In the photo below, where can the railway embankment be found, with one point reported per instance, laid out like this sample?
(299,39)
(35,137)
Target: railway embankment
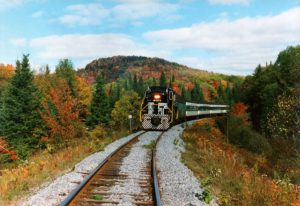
(55,191)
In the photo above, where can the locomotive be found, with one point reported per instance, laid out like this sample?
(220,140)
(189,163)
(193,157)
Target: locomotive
(161,108)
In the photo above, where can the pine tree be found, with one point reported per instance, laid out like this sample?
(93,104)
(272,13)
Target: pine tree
(173,78)
(65,70)
(141,86)
(135,84)
(197,94)
(20,104)
(99,109)
(163,80)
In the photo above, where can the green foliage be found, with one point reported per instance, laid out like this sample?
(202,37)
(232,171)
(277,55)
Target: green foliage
(99,109)
(65,70)
(267,83)
(129,103)
(284,120)
(19,113)
(197,93)
(243,136)
(163,80)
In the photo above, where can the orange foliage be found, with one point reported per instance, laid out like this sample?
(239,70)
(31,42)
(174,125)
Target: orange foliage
(6,71)
(4,150)
(224,83)
(176,89)
(239,109)
(214,84)
(60,113)
(189,86)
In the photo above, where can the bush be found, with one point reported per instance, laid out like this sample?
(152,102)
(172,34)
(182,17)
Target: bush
(243,136)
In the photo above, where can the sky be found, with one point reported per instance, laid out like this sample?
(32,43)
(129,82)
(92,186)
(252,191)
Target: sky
(225,36)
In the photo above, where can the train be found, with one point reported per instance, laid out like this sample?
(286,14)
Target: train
(162,108)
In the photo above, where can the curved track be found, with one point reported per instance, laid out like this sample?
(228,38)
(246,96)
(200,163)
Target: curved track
(95,188)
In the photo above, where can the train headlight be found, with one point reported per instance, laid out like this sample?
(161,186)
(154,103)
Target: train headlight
(157,97)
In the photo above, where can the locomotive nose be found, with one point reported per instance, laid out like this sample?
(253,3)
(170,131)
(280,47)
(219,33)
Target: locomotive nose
(155,121)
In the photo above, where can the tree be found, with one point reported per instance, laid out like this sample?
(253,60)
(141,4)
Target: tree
(65,70)
(284,120)
(129,103)
(163,80)
(141,87)
(19,113)
(60,113)
(135,84)
(197,94)
(99,109)
(84,96)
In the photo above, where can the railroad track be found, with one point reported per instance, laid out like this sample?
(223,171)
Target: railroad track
(96,188)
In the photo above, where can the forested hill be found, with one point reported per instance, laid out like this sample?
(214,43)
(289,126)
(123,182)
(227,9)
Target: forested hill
(114,67)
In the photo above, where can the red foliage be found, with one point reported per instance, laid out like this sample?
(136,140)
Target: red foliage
(62,122)
(239,109)
(214,84)
(189,86)
(176,89)
(4,150)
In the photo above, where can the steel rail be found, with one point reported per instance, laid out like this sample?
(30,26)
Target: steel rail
(156,194)
(84,182)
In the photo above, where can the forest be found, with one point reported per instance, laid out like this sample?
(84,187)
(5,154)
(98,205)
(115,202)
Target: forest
(43,114)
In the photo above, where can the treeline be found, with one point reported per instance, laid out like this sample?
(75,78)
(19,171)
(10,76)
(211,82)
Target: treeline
(273,96)
(268,120)
(48,110)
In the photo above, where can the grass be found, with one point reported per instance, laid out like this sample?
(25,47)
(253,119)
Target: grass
(225,173)
(151,145)
(97,197)
(16,180)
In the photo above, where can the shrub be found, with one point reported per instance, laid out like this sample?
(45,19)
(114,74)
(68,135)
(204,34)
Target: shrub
(243,136)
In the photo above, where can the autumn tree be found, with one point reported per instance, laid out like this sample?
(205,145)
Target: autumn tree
(99,109)
(84,96)
(283,122)
(60,113)
(129,103)
(19,117)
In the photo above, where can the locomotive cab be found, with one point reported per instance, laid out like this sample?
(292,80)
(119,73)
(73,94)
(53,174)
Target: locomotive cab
(156,112)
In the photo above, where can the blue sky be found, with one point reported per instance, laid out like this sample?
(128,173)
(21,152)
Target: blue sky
(227,36)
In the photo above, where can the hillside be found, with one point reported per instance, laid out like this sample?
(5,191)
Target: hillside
(119,66)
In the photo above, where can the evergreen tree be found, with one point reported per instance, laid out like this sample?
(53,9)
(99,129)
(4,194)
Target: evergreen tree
(65,70)
(135,84)
(141,87)
(20,104)
(154,81)
(99,109)
(163,80)
(197,94)
(173,78)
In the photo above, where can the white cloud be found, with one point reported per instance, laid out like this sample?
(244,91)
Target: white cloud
(11,3)
(81,47)
(84,14)
(37,14)
(229,1)
(19,42)
(241,43)
(132,11)
(143,9)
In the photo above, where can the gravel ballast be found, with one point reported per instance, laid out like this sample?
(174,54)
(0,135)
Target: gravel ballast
(178,185)
(55,192)
(133,165)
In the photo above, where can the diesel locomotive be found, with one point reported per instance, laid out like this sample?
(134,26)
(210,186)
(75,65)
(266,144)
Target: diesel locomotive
(161,108)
